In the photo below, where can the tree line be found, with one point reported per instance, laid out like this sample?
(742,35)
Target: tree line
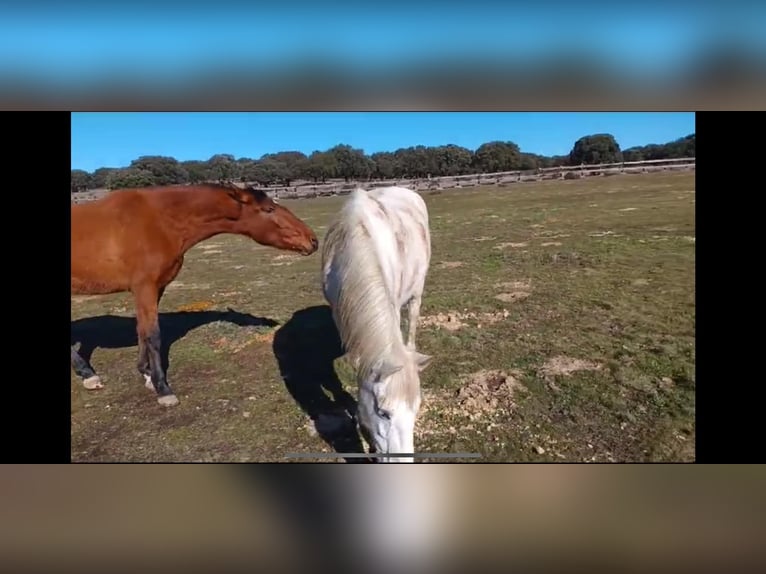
(349,163)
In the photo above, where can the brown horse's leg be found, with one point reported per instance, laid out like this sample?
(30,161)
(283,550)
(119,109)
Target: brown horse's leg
(143,364)
(146,297)
(90,380)
(143,356)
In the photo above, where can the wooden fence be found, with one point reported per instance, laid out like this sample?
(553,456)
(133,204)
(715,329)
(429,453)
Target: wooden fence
(502,179)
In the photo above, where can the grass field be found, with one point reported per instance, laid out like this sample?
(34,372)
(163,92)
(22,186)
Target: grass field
(560,315)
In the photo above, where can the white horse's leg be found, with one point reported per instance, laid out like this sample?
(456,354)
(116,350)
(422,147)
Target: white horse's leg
(413,312)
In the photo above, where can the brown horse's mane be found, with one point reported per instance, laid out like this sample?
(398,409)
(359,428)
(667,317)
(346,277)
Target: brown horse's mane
(258,194)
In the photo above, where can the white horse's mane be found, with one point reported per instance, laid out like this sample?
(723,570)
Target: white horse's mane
(365,311)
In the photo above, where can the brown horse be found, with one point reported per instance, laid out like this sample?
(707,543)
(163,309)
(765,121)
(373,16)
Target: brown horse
(135,240)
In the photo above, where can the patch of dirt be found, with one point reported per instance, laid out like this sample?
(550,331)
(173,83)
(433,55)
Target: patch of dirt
(511,244)
(229,346)
(450,264)
(513,296)
(562,365)
(212,251)
(513,285)
(551,234)
(83,298)
(487,395)
(666,383)
(565,258)
(449,321)
(640,282)
(263,337)
(196,306)
(549,243)
(604,234)
(484,238)
(628,209)
(229,294)
(486,391)
(178,285)
(222,343)
(283,259)
(689,238)
(453,321)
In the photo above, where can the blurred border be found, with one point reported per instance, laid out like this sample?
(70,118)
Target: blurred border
(589,56)
(426,98)
(537,517)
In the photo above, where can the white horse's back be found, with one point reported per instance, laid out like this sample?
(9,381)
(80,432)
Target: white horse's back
(407,247)
(396,219)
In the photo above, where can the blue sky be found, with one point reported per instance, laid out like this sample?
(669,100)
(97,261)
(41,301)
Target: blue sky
(107,139)
(70,44)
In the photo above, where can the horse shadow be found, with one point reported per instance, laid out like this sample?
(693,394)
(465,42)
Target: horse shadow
(117,332)
(305,348)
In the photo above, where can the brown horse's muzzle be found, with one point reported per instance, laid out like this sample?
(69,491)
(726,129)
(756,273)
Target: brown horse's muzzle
(314,246)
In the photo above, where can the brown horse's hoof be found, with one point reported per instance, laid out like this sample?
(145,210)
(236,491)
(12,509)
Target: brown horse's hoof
(93,383)
(168,401)
(148,382)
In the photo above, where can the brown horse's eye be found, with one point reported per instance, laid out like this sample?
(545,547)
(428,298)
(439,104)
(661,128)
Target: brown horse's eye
(268,208)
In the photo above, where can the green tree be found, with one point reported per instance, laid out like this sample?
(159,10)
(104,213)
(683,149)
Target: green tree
(247,169)
(268,171)
(223,167)
(100,176)
(351,163)
(682,147)
(291,164)
(453,160)
(166,170)
(497,156)
(415,162)
(436,161)
(544,161)
(633,154)
(197,171)
(594,149)
(384,165)
(320,166)
(80,180)
(529,161)
(130,177)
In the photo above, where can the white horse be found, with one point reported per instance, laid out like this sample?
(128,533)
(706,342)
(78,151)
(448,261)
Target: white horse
(375,259)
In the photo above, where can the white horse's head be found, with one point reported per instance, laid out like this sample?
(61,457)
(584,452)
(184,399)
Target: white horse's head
(389,401)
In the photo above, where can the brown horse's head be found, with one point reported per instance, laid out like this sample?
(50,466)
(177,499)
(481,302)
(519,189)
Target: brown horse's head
(268,223)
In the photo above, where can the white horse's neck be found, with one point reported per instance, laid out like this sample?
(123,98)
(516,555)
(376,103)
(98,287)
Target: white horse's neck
(368,318)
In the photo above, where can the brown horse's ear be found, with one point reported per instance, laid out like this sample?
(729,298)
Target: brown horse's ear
(240,195)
